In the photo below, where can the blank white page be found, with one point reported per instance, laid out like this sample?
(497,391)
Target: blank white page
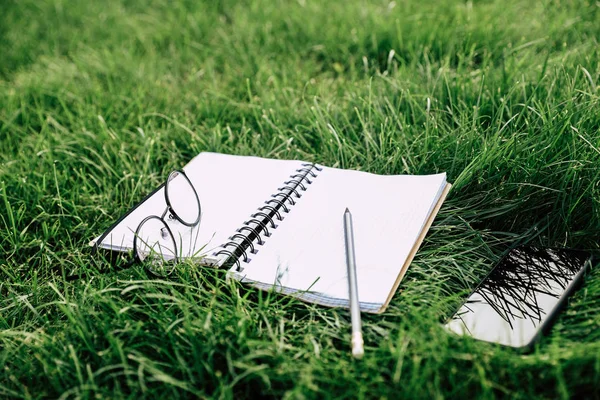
(230,188)
(307,251)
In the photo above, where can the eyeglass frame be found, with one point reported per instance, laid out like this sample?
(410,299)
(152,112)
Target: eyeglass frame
(170,211)
(136,258)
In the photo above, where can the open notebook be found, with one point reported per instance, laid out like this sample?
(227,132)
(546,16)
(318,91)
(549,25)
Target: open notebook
(296,244)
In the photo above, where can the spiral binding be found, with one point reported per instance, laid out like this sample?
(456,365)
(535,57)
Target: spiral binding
(267,216)
(278,203)
(262,223)
(274,210)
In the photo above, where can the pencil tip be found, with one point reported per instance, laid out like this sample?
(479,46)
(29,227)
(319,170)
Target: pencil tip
(347,211)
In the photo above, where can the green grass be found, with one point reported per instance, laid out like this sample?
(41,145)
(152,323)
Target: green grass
(100,100)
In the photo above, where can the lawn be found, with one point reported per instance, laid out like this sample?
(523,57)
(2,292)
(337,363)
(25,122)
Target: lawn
(100,100)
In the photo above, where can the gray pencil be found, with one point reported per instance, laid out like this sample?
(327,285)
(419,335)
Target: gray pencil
(357,339)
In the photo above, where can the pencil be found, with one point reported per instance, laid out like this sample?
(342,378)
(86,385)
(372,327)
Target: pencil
(357,339)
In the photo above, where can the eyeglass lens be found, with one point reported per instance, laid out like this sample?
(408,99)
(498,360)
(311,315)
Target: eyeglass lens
(155,247)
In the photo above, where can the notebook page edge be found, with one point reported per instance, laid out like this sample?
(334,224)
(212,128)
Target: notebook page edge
(416,247)
(308,296)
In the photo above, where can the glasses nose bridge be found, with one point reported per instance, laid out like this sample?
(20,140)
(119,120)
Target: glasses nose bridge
(163,215)
(166,216)
(164,233)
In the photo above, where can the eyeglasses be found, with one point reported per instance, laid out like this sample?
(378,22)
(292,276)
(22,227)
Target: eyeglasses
(154,242)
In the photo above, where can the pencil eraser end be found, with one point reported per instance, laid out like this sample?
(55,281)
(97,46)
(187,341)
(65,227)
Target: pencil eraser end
(358,349)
